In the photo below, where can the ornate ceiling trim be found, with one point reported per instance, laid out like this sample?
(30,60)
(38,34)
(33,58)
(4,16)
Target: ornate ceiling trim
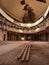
(25,24)
(9,26)
(39,25)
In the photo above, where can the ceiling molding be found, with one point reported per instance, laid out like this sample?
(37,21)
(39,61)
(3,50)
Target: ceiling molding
(24,24)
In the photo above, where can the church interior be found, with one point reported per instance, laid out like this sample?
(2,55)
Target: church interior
(24,32)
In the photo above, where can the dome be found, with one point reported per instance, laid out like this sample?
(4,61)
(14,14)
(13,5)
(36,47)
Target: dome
(15,9)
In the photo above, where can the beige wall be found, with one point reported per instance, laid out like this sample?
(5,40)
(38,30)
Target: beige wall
(12,36)
(2,34)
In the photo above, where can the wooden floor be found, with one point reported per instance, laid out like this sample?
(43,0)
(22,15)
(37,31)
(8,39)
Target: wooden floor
(24,53)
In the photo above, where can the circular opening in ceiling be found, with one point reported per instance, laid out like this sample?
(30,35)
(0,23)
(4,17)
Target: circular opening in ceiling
(22,2)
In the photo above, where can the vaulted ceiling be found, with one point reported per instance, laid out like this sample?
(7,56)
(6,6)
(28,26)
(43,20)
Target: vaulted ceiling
(15,9)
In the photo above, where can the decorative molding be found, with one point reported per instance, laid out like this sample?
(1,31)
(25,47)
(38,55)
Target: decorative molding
(24,24)
(10,26)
